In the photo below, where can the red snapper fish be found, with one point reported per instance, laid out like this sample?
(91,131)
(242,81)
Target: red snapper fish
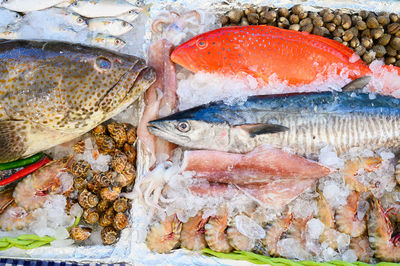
(269,53)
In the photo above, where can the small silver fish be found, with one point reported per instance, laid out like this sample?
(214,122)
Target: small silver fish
(110,26)
(107,41)
(53,92)
(9,17)
(72,19)
(130,15)
(101,8)
(29,5)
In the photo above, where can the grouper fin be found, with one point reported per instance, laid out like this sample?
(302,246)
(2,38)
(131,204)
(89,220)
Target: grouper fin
(260,129)
(357,84)
(12,140)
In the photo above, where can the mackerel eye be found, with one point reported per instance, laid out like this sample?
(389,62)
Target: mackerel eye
(183,126)
(103,63)
(201,43)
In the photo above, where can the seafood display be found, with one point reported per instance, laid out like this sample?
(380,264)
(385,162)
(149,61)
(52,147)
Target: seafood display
(303,168)
(259,133)
(61,111)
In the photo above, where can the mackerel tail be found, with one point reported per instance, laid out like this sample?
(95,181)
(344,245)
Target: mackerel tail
(302,122)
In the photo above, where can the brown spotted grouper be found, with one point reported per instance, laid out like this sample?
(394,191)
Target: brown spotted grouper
(53,92)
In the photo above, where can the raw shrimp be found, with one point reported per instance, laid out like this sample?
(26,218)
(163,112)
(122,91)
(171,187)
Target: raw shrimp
(216,237)
(361,246)
(383,240)
(31,193)
(15,218)
(163,237)
(274,233)
(326,216)
(351,168)
(239,241)
(297,229)
(347,219)
(6,198)
(192,235)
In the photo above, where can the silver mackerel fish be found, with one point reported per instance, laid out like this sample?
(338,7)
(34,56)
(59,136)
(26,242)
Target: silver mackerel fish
(303,122)
(53,92)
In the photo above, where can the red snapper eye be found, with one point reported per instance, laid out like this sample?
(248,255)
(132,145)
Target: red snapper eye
(201,43)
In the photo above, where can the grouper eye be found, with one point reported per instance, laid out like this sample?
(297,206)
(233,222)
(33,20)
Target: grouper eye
(103,63)
(183,126)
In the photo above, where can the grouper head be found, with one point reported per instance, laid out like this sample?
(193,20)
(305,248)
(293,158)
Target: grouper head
(54,92)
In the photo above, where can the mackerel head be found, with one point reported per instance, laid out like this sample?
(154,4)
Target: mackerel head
(52,92)
(303,122)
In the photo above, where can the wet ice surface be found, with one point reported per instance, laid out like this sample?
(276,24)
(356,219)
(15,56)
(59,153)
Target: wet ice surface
(176,196)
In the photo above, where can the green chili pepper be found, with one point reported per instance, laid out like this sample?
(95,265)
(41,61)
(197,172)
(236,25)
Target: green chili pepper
(21,163)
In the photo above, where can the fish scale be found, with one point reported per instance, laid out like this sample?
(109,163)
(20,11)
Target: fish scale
(52,92)
(303,122)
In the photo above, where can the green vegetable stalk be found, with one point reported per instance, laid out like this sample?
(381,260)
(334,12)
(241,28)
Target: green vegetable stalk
(260,259)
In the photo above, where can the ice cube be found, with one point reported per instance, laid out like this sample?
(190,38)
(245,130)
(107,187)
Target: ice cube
(343,241)
(61,233)
(362,208)
(329,254)
(76,210)
(349,255)
(59,243)
(335,193)
(314,228)
(248,227)
(329,157)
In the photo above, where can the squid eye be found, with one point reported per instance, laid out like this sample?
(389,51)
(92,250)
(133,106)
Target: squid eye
(183,126)
(201,43)
(103,63)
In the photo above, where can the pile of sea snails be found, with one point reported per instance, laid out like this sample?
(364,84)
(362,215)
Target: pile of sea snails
(371,35)
(99,192)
